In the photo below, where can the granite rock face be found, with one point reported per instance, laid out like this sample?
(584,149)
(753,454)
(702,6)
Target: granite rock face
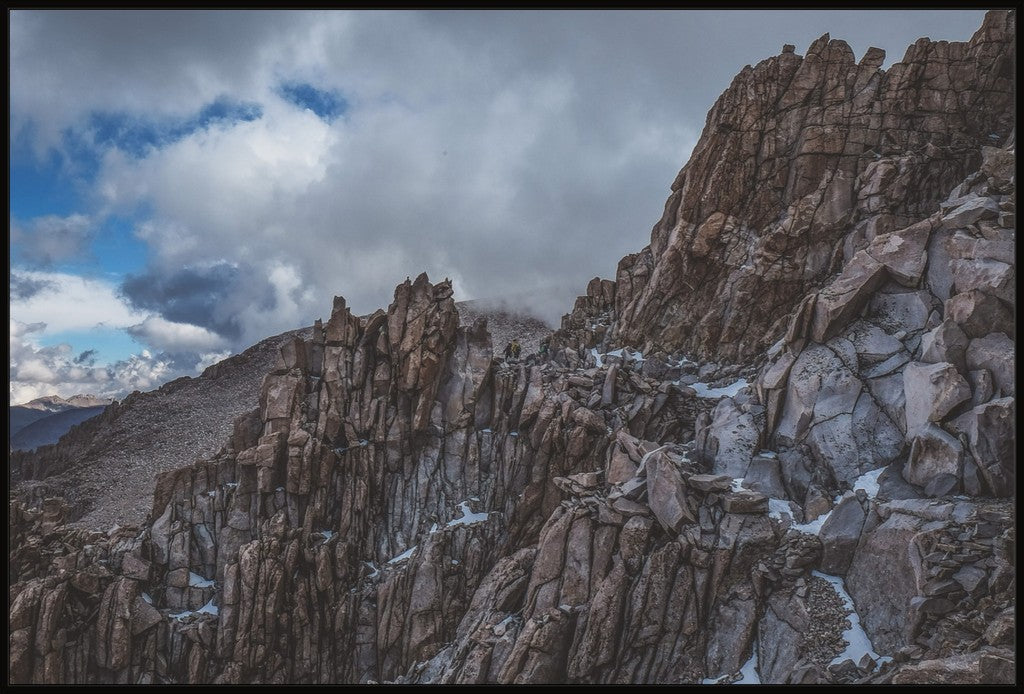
(804,160)
(404,506)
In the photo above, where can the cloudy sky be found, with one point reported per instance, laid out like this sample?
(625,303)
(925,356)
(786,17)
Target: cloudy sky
(186,183)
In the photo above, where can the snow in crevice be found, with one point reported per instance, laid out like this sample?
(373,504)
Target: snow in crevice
(197,581)
(812,527)
(148,598)
(627,356)
(403,556)
(208,608)
(765,453)
(748,673)
(736,484)
(869,482)
(704,391)
(648,454)
(778,507)
(231,485)
(468,517)
(858,643)
(373,568)
(597,357)
(326,534)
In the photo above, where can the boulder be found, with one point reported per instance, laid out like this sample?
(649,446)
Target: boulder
(839,535)
(666,494)
(933,452)
(944,343)
(995,353)
(972,210)
(979,314)
(989,429)
(932,391)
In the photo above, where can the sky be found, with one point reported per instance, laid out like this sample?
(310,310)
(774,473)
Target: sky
(184,184)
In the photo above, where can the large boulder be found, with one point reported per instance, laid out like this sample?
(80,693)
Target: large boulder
(932,391)
(996,353)
(989,429)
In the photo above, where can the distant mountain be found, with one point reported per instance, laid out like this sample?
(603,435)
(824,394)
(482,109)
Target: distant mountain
(21,416)
(55,403)
(51,427)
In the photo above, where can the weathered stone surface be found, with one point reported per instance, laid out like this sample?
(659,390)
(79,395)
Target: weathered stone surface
(933,452)
(839,535)
(989,431)
(944,343)
(995,353)
(970,211)
(932,391)
(979,313)
(666,493)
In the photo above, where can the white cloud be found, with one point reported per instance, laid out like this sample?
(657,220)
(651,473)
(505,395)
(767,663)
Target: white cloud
(71,302)
(36,371)
(169,336)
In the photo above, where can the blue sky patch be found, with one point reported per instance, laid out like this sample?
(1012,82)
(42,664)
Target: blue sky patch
(109,344)
(137,136)
(327,105)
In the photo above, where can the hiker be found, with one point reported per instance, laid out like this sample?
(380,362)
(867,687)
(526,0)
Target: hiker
(516,349)
(544,348)
(509,351)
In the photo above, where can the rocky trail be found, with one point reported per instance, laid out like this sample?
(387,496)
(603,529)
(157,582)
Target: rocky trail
(777,448)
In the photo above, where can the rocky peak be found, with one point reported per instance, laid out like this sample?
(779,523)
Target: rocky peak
(801,156)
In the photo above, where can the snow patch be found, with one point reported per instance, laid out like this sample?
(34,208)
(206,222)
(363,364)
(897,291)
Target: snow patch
(748,673)
(858,643)
(813,527)
(148,598)
(513,433)
(648,454)
(704,391)
(212,492)
(468,517)
(208,608)
(767,454)
(597,357)
(197,581)
(232,485)
(869,482)
(778,507)
(403,556)
(373,568)
(736,484)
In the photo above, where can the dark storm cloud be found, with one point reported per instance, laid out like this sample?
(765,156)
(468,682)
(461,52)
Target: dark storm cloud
(23,287)
(87,358)
(45,241)
(200,296)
